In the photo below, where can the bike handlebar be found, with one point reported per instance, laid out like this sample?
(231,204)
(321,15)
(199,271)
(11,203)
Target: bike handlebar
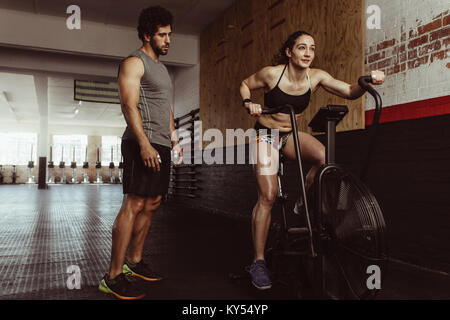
(276,109)
(364,84)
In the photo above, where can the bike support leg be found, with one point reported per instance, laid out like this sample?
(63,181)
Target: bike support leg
(299,162)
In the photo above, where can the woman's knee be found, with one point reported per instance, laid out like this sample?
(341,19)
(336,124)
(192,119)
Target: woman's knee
(320,156)
(267,197)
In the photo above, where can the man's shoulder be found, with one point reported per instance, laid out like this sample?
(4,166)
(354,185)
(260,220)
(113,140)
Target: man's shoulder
(132,64)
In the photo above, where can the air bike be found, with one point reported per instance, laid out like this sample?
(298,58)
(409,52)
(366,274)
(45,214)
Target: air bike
(341,253)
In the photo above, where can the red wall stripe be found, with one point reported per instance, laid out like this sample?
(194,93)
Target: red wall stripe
(413,110)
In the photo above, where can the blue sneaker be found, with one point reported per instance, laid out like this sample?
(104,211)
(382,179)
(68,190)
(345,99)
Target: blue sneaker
(260,275)
(299,207)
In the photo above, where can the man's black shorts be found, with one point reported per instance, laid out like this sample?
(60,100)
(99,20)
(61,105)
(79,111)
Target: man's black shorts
(139,179)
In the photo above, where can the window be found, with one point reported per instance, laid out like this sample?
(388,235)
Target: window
(69,148)
(111,150)
(17,148)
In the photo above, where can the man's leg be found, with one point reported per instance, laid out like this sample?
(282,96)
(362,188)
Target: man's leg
(140,230)
(134,265)
(123,230)
(115,281)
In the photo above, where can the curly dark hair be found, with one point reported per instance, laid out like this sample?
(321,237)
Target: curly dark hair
(281,57)
(151,19)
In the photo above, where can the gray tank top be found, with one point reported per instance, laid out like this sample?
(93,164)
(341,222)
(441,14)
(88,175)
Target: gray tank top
(155,99)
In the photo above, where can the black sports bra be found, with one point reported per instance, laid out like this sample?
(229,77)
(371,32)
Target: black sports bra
(276,97)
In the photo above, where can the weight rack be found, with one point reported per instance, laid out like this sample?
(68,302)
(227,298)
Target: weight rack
(183,177)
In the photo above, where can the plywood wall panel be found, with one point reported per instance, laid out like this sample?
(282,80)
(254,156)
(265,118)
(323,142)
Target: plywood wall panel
(250,33)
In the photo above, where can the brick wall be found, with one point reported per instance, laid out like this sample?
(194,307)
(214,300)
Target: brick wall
(412,48)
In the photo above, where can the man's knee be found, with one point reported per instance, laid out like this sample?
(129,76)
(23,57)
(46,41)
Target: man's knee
(135,204)
(151,204)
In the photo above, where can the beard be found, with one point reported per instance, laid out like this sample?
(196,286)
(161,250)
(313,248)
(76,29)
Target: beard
(158,50)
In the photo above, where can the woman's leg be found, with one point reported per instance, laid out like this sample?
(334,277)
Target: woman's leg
(261,216)
(266,168)
(311,150)
(266,165)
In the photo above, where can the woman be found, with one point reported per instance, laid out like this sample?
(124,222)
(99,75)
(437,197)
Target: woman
(291,81)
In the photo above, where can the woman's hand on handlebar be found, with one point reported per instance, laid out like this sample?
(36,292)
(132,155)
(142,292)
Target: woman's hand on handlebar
(254,109)
(377,77)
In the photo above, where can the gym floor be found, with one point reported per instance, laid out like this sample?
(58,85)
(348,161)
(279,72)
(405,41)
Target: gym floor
(42,233)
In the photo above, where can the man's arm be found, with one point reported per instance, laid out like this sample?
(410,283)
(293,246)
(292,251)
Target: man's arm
(131,72)
(174,139)
(173,133)
(343,89)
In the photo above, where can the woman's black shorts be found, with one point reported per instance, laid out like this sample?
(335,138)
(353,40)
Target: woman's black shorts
(139,179)
(264,134)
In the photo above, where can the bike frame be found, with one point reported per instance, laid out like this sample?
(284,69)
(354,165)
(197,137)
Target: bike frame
(319,234)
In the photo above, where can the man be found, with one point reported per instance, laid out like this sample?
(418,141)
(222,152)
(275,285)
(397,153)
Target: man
(145,89)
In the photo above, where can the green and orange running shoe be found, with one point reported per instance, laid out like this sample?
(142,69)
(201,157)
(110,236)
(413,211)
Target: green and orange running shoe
(140,270)
(121,288)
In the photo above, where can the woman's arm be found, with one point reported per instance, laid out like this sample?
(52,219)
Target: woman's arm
(257,80)
(343,89)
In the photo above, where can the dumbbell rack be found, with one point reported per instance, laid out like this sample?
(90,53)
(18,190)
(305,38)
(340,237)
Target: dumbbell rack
(73,166)
(121,170)
(62,166)
(98,167)
(51,166)
(85,173)
(30,166)
(112,178)
(14,175)
(183,177)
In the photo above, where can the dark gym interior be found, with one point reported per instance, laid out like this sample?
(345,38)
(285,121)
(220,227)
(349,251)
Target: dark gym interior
(61,167)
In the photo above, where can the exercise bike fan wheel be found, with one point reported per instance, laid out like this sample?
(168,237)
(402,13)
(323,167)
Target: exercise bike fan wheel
(353,235)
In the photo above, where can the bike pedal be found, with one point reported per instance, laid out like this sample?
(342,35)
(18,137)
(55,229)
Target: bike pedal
(295,253)
(301,231)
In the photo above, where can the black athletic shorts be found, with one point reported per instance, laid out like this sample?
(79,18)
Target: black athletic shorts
(264,134)
(139,179)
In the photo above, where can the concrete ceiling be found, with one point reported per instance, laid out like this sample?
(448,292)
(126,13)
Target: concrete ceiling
(18,103)
(190,16)
(18,98)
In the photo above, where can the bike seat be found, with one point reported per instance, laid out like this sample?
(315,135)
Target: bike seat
(329,113)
